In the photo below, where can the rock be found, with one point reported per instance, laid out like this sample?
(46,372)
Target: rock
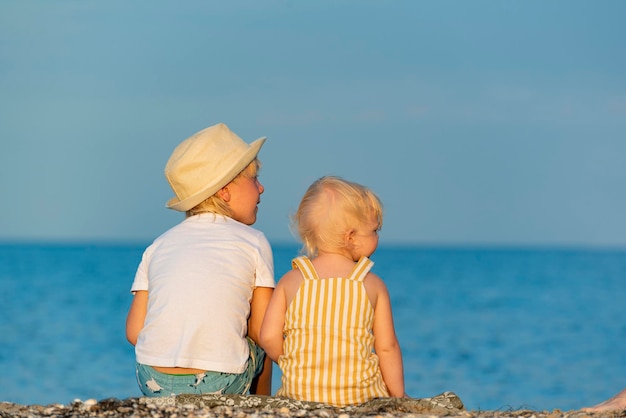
(237,406)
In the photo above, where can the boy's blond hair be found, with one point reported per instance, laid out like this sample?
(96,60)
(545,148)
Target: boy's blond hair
(331,208)
(214,204)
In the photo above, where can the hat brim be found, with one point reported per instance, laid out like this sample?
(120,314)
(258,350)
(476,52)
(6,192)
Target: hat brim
(195,199)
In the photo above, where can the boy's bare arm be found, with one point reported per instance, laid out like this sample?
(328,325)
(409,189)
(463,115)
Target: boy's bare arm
(262,384)
(258,305)
(136,316)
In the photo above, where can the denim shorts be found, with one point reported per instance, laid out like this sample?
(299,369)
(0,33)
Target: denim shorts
(156,384)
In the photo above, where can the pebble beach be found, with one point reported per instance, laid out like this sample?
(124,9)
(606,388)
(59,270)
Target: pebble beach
(209,406)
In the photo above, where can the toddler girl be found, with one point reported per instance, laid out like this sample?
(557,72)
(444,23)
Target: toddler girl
(329,324)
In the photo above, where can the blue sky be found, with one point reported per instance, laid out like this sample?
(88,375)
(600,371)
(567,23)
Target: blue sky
(476,122)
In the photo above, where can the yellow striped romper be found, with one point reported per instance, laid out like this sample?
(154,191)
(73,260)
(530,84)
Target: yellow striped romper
(328,351)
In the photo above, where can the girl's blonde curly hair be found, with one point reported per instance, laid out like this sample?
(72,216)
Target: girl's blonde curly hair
(330,208)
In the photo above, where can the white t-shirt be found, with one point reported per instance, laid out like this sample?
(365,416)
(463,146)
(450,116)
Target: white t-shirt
(200,276)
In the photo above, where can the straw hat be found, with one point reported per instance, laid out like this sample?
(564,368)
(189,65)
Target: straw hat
(204,163)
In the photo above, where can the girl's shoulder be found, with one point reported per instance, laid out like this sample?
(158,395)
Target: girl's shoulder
(373,278)
(291,278)
(291,275)
(373,283)
(289,284)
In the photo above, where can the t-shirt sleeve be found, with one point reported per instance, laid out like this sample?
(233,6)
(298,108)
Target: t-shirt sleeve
(265,265)
(141,276)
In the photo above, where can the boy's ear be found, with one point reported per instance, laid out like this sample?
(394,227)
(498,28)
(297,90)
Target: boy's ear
(224,194)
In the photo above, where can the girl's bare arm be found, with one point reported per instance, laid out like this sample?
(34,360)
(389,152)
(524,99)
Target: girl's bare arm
(386,344)
(272,328)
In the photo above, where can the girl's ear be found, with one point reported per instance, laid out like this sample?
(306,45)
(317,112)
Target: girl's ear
(349,238)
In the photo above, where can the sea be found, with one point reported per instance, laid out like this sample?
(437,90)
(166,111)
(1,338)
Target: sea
(504,328)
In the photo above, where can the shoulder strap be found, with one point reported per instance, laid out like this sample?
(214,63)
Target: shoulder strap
(305,266)
(362,267)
